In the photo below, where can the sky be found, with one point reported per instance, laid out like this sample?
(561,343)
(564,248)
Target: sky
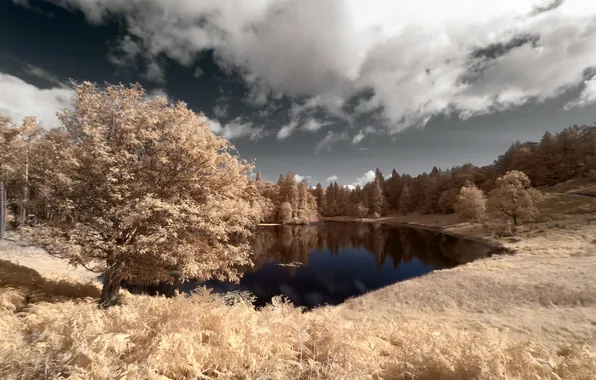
(328,89)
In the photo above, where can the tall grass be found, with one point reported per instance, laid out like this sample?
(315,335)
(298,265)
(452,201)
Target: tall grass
(203,336)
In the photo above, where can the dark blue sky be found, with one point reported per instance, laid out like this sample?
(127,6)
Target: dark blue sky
(311,88)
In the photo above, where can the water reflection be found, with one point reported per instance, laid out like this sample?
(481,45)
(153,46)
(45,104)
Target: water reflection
(327,263)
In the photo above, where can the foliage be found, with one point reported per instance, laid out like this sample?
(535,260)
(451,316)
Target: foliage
(148,189)
(470,204)
(203,337)
(514,197)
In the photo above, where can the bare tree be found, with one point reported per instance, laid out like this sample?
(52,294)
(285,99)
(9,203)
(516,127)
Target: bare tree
(152,190)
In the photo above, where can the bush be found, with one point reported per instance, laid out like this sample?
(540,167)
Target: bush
(470,204)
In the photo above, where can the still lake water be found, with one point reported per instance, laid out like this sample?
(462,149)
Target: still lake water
(326,263)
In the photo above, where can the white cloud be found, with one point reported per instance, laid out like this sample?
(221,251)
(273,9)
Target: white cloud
(310,125)
(313,125)
(19,99)
(44,74)
(221,110)
(155,72)
(236,129)
(286,130)
(158,92)
(333,178)
(362,134)
(358,138)
(411,55)
(369,176)
(587,96)
(300,178)
(331,138)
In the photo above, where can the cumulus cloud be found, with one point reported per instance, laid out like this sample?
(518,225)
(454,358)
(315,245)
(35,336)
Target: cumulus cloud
(19,99)
(369,176)
(300,178)
(330,138)
(417,59)
(333,178)
(236,128)
(587,96)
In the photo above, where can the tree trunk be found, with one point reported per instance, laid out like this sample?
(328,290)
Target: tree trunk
(23,218)
(2,211)
(111,286)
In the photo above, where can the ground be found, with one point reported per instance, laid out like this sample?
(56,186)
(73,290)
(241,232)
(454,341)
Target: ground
(528,314)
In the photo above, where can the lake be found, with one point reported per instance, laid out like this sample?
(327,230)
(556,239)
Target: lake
(326,263)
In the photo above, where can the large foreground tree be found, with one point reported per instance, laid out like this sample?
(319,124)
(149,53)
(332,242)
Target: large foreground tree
(150,190)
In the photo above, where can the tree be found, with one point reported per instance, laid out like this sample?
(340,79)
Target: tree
(153,190)
(470,204)
(514,197)
(259,177)
(377,200)
(285,213)
(405,200)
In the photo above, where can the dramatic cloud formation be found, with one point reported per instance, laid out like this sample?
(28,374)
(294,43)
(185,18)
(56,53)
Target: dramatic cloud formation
(236,128)
(417,59)
(19,99)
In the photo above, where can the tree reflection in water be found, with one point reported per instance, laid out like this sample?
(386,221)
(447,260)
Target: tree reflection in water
(340,260)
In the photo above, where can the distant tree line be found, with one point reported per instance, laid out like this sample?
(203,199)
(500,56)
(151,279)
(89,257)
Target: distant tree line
(555,159)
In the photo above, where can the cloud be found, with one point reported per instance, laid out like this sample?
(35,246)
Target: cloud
(369,176)
(235,129)
(587,96)
(300,178)
(362,134)
(333,178)
(286,130)
(158,92)
(19,99)
(417,59)
(331,138)
(221,110)
(155,72)
(198,73)
(310,125)
(46,75)
(313,125)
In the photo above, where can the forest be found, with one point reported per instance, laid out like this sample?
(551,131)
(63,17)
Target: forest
(557,158)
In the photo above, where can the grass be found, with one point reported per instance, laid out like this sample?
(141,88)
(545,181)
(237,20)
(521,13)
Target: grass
(525,316)
(202,337)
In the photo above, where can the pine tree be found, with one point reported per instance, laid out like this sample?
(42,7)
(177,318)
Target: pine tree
(405,200)
(377,200)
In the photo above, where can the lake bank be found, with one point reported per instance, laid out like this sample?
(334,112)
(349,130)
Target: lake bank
(528,315)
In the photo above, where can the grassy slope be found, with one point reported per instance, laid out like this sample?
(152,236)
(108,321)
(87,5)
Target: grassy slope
(529,315)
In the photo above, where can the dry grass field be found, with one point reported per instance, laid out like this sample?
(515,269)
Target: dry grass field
(530,315)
